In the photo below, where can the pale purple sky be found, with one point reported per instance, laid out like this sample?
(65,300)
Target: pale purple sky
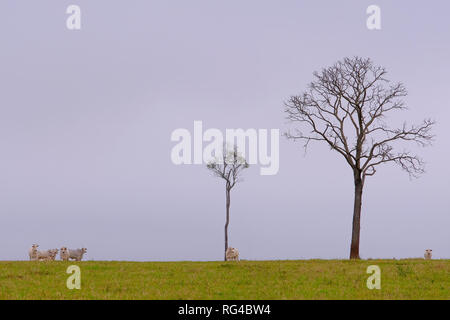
(86,118)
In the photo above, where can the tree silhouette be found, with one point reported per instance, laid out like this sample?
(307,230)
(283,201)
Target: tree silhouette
(229,167)
(346,106)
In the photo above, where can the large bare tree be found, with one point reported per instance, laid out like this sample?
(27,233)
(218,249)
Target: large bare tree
(346,107)
(229,167)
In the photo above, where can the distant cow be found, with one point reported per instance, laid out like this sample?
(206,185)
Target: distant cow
(427,254)
(47,254)
(53,254)
(64,253)
(32,252)
(232,254)
(76,254)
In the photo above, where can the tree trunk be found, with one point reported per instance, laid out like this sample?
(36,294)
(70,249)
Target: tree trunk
(354,248)
(227,221)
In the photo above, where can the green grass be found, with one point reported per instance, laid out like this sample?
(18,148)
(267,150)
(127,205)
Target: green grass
(308,279)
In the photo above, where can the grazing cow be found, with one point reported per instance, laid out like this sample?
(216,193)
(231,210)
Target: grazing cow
(232,254)
(64,254)
(427,254)
(32,252)
(77,254)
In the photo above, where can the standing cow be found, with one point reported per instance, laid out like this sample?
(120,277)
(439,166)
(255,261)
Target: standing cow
(77,254)
(32,252)
(64,254)
(232,254)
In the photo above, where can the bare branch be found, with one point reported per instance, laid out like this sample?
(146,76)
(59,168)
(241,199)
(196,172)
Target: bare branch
(229,167)
(346,105)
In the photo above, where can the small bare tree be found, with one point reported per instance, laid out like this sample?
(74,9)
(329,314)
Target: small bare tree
(346,106)
(229,167)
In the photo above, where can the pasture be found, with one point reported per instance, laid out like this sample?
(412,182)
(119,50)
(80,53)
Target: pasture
(292,279)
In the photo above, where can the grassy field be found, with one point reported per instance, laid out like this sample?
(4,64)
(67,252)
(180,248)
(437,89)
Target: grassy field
(310,279)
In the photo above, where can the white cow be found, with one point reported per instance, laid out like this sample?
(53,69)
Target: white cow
(53,254)
(232,254)
(32,252)
(427,254)
(47,254)
(77,254)
(64,254)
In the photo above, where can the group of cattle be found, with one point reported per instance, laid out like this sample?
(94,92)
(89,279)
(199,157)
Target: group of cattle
(50,254)
(77,254)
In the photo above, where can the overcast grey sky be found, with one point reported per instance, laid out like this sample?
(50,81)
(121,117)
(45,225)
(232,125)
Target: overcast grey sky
(86,118)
